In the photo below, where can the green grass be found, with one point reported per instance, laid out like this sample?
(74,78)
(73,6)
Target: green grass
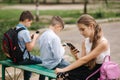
(15,1)
(62,13)
(10,17)
(9,14)
(114,4)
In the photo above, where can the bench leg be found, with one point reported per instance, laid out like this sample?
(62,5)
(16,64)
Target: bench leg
(49,78)
(3,72)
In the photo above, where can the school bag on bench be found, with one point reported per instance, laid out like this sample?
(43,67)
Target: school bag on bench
(108,71)
(10,45)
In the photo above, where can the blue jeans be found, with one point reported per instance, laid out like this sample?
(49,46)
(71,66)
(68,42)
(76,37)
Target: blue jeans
(62,64)
(33,60)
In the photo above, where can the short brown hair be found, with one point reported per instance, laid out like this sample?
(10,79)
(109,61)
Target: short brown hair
(57,20)
(26,15)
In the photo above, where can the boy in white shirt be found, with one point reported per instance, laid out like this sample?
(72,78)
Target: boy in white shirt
(51,49)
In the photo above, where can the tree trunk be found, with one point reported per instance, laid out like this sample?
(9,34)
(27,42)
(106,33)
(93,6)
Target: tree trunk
(10,1)
(73,1)
(106,2)
(44,1)
(58,1)
(37,10)
(20,1)
(85,6)
(32,1)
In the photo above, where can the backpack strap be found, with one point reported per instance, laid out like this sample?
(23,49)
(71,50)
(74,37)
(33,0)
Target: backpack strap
(107,56)
(18,30)
(28,52)
(92,74)
(98,68)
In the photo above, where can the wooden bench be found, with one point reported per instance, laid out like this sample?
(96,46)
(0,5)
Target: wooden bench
(36,68)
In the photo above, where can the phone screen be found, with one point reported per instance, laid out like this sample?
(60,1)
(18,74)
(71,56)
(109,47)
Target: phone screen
(71,46)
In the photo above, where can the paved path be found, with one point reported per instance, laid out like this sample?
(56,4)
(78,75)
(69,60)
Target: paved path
(49,7)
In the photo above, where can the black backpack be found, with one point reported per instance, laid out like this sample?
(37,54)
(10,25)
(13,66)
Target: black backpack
(10,45)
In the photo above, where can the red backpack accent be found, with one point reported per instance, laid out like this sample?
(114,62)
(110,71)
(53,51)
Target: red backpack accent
(10,45)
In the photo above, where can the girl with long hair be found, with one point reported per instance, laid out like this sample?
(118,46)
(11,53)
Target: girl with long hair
(94,49)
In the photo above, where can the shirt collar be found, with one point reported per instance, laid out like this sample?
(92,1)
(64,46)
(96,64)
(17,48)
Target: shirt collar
(21,25)
(52,31)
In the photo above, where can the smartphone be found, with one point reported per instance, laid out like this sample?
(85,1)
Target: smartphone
(37,32)
(71,46)
(64,44)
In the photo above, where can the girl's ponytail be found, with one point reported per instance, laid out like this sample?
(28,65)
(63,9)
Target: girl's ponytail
(97,35)
(87,20)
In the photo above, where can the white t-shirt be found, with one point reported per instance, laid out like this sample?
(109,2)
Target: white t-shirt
(100,57)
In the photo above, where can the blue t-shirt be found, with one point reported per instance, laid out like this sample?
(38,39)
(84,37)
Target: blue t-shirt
(23,38)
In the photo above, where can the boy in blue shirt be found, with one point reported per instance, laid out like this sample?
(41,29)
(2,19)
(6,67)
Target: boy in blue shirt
(25,41)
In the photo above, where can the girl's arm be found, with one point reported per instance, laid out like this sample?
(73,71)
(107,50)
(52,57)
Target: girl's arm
(83,53)
(81,61)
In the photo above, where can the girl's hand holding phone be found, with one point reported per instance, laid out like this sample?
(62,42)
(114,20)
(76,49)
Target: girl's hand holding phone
(73,50)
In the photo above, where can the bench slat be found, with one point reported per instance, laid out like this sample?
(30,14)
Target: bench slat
(36,68)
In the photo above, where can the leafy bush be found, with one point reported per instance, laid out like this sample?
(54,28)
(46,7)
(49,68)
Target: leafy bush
(99,15)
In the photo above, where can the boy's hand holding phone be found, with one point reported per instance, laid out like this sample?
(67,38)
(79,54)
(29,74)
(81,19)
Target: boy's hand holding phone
(35,35)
